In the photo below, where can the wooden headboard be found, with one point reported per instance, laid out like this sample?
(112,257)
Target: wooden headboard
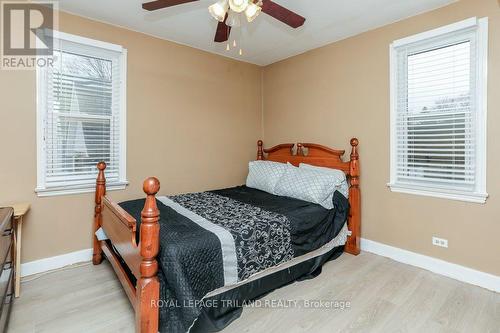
(319,155)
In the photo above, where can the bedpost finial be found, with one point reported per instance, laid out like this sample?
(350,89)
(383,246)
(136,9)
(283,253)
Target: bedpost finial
(354,150)
(151,186)
(300,150)
(101,165)
(260,150)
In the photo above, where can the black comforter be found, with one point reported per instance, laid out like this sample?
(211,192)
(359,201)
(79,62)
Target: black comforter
(228,236)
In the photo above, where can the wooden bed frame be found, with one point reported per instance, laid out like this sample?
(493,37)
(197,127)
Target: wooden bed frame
(136,265)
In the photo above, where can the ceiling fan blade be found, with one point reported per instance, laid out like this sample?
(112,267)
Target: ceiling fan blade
(282,14)
(223,31)
(158,4)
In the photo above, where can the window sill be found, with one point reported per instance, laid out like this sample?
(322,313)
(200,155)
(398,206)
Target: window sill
(452,195)
(68,190)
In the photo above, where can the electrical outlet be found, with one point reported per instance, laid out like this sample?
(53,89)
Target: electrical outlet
(441,242)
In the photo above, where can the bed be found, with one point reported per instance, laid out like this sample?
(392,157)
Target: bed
(174,275)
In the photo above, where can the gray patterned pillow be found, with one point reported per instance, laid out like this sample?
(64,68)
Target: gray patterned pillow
(342,186)
(264,175)
(308,185)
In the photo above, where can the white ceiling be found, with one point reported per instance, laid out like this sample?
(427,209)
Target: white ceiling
(265,40)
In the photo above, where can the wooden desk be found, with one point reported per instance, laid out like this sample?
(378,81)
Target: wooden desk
(20,209)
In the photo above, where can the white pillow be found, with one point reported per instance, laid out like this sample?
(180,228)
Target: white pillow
(341,184)
(263,175)
(307,185)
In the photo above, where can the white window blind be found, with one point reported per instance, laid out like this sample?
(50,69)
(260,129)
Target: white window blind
(81,116)
(438,119)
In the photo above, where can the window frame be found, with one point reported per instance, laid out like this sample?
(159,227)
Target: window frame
(479,194)
(41,110)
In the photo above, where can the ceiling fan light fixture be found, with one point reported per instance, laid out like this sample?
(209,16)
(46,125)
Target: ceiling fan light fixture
(233,20)
(218,10)
(238,6)
(252,12)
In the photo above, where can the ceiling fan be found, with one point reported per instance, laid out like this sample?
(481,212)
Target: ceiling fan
(226,11)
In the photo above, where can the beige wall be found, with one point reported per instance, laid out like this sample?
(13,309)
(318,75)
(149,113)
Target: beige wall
(178,130)
(342,90)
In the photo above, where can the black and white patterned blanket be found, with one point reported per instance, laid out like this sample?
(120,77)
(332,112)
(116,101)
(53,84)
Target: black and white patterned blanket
(262,238)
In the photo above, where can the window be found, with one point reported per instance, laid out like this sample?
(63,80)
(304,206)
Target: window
(81,116)
(438,112)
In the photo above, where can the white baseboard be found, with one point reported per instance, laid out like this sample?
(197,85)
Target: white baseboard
(438,266)
(47,264)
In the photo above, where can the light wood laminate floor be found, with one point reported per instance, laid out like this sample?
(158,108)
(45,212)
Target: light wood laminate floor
(385,296)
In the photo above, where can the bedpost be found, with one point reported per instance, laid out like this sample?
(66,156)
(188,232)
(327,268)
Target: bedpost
(148,286)
(260,150)
(353,242)
(100,191)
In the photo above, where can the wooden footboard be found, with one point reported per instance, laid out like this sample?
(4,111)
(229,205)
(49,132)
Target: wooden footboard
(138,274)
